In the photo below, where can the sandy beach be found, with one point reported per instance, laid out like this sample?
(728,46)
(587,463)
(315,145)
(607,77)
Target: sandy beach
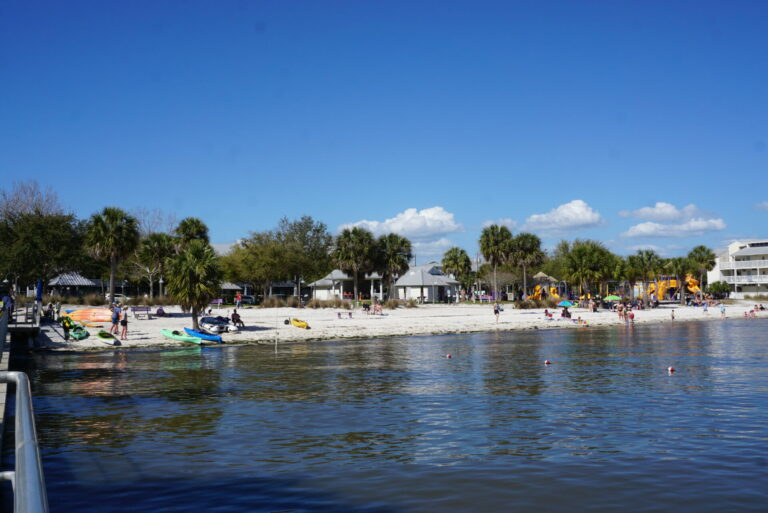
(266,325)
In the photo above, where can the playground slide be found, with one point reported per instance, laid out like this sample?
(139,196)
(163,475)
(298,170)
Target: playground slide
(553,293)
(693,285)
(536,292)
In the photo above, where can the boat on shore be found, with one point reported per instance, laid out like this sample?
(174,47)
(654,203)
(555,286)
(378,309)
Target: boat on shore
(181,336)
(204,336)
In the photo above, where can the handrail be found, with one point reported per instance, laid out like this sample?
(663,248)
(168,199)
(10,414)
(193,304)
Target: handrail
(29,494)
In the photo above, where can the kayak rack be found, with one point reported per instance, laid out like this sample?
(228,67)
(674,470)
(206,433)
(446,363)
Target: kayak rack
(29,494)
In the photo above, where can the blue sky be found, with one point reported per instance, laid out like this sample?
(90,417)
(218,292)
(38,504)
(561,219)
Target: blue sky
(640,124)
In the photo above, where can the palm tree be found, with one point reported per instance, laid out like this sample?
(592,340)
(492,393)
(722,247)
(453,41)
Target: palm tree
(588,262)
(456,261)
(355,252)
(495,245)
(194,277)
(153,252)
(703,260)
(649,264)
(191,228)
(394,254)
(112,235)
(679,266)
(526,252)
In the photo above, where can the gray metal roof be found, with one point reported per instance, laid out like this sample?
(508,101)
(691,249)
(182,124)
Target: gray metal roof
(426,276)
(230,286)
(71,280)
(336,276)
(760,250)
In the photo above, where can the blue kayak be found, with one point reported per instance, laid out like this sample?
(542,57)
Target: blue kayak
(204,336)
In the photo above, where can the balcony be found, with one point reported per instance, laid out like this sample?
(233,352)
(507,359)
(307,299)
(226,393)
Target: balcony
(746,280)
(744,264)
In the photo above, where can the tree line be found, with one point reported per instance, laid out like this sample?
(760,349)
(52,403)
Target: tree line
(41,240)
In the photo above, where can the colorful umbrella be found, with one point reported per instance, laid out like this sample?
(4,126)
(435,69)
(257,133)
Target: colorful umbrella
(565,303)
(612,298)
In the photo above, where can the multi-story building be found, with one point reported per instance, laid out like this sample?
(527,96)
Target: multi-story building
(744,266)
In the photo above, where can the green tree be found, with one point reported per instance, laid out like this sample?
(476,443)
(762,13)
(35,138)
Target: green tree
(307,245)
(39,246)
(588,263)
(679,267)
(194,277)
(394,254)
(495,245)
(703,260)
(649,264)
(526,252)
(355,253)
(719,289)
(189,229)
(112,235)
(151,256)
(456,261)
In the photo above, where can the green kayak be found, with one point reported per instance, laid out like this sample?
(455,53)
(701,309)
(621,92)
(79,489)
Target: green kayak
(181,336)
(78,332)
(108,338)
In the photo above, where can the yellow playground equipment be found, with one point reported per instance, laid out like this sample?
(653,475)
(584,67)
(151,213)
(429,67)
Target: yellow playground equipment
(538,290)
(664,285)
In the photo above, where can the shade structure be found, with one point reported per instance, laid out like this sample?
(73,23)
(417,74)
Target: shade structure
(565,303)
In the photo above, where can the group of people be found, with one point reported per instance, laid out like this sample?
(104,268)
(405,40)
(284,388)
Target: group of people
(625,313)
(119,320)
(377,310)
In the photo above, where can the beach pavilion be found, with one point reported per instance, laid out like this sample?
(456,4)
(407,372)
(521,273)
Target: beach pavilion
(427,284)
(339,284)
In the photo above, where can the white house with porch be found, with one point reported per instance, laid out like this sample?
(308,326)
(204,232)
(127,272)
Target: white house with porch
(340,284)
(744,266)
(427,284)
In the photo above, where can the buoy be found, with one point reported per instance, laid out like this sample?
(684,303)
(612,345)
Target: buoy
(547,362)
(671,370)
(448,355)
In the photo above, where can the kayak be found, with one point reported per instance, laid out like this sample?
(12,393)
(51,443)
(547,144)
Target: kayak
(78,332)
(181,336)
(108,338)
(91,315)
(300,324)
(204,336)
(92,325)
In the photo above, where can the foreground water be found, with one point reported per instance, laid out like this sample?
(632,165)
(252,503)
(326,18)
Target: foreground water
(392,425)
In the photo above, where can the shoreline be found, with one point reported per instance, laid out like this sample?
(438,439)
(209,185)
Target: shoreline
(266,326)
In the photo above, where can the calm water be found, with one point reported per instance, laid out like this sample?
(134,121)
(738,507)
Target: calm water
(391,425)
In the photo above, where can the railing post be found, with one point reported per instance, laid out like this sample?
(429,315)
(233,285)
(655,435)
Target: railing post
(29,483)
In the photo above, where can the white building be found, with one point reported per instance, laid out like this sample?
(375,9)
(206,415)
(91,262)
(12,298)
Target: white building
(427,284)
(340,284)
(744,266)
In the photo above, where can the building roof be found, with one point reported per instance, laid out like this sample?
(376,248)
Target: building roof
(428,275)
(230,286)
(71,280)
(336,276)
(751,251)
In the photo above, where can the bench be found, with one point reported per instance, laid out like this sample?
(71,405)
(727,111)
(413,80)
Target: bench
(141,311)
(217,303)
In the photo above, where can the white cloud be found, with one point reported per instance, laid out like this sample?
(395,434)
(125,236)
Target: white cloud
(575,215)
(695,226)
(506,221)
(662,211)
(425,225)
(762,206)
(433,249)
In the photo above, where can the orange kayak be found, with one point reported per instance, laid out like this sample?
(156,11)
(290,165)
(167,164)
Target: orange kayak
(91,315)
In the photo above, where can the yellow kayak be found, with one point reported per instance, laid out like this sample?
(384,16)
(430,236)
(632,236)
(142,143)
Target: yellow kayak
(300,324)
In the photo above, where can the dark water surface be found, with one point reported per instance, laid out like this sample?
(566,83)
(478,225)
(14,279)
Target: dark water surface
(391,425)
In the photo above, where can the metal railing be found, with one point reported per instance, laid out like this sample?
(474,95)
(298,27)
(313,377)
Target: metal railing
(744,264)
(754,279)
(29,494)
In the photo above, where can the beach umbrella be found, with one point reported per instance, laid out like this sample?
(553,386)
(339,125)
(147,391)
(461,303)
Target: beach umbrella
(612,298)
(565,303)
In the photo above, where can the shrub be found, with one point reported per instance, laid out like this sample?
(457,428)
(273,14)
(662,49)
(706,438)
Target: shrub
(392,304)
(293,302)
(411,303)
(272,302)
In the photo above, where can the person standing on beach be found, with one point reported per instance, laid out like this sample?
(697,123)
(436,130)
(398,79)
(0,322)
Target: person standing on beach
(115,319)
(722,311)
(496,311)
(238,299)
(124,324)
